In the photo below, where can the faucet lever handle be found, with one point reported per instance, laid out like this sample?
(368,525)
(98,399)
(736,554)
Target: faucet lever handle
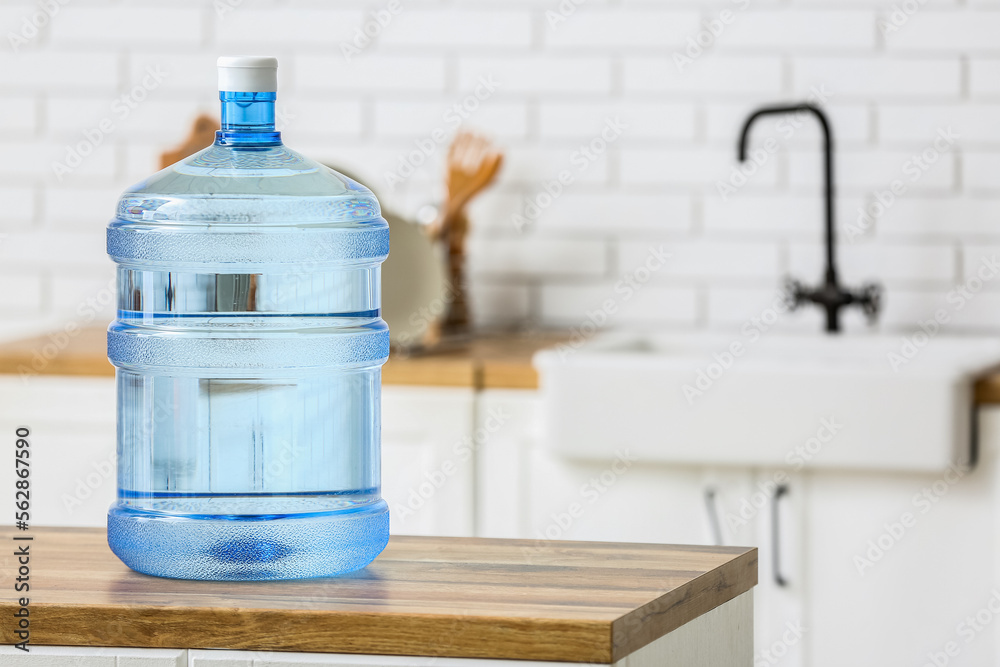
(870,299)
(794,293)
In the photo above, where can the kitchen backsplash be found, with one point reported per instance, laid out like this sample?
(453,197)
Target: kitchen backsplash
(620,202)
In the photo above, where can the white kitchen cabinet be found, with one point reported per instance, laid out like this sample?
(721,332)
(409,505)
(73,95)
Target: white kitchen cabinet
(506,430)
(72,425)
(772,518)
(428,462)
(615,500)
(526,491)
(897,565)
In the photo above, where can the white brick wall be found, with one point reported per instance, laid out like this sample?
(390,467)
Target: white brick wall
(475,29)
(122,26)
(946,32)
(704,259)
(645,120)
(984,77)
(896,265)
(370,72)
(92,70)
(602,28)
(712,73)
(652,305)
(851,124)
(881,76)
(18,210)
(314,27)
(558,84)
(522,73)
(542,257)
(803,30)
(981,171)
(407,119)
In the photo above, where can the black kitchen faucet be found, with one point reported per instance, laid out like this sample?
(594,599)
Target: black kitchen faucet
(830,296)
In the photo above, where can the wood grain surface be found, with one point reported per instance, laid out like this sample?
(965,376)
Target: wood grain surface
(80,351)
(488,362)
(454,597)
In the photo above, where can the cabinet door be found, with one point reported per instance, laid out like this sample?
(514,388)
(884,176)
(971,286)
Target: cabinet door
(506,431)
(616,499)
(771,517)
(526,491)
(902,569)
(72,424)
(428,460)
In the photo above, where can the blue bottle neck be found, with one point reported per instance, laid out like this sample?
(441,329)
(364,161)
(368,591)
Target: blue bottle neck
(247,120)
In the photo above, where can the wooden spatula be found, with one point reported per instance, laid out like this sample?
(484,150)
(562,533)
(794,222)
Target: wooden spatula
(473,163)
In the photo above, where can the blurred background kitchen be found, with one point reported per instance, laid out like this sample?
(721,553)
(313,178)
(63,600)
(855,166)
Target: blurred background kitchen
(678,399)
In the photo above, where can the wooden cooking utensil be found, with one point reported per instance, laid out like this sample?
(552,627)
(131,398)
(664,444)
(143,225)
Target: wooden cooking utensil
(473,163)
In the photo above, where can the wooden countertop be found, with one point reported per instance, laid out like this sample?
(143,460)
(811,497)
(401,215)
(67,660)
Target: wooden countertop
(491,362)
(425,596)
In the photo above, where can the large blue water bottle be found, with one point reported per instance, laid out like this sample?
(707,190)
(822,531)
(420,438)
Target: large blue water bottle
(248,349)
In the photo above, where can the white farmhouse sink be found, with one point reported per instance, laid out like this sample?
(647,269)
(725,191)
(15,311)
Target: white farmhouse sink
(791,401)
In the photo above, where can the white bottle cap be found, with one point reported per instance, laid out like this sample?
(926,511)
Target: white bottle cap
(249,74)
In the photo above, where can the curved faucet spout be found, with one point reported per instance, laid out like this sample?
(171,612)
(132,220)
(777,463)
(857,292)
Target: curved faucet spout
(830,296)
(831,264)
